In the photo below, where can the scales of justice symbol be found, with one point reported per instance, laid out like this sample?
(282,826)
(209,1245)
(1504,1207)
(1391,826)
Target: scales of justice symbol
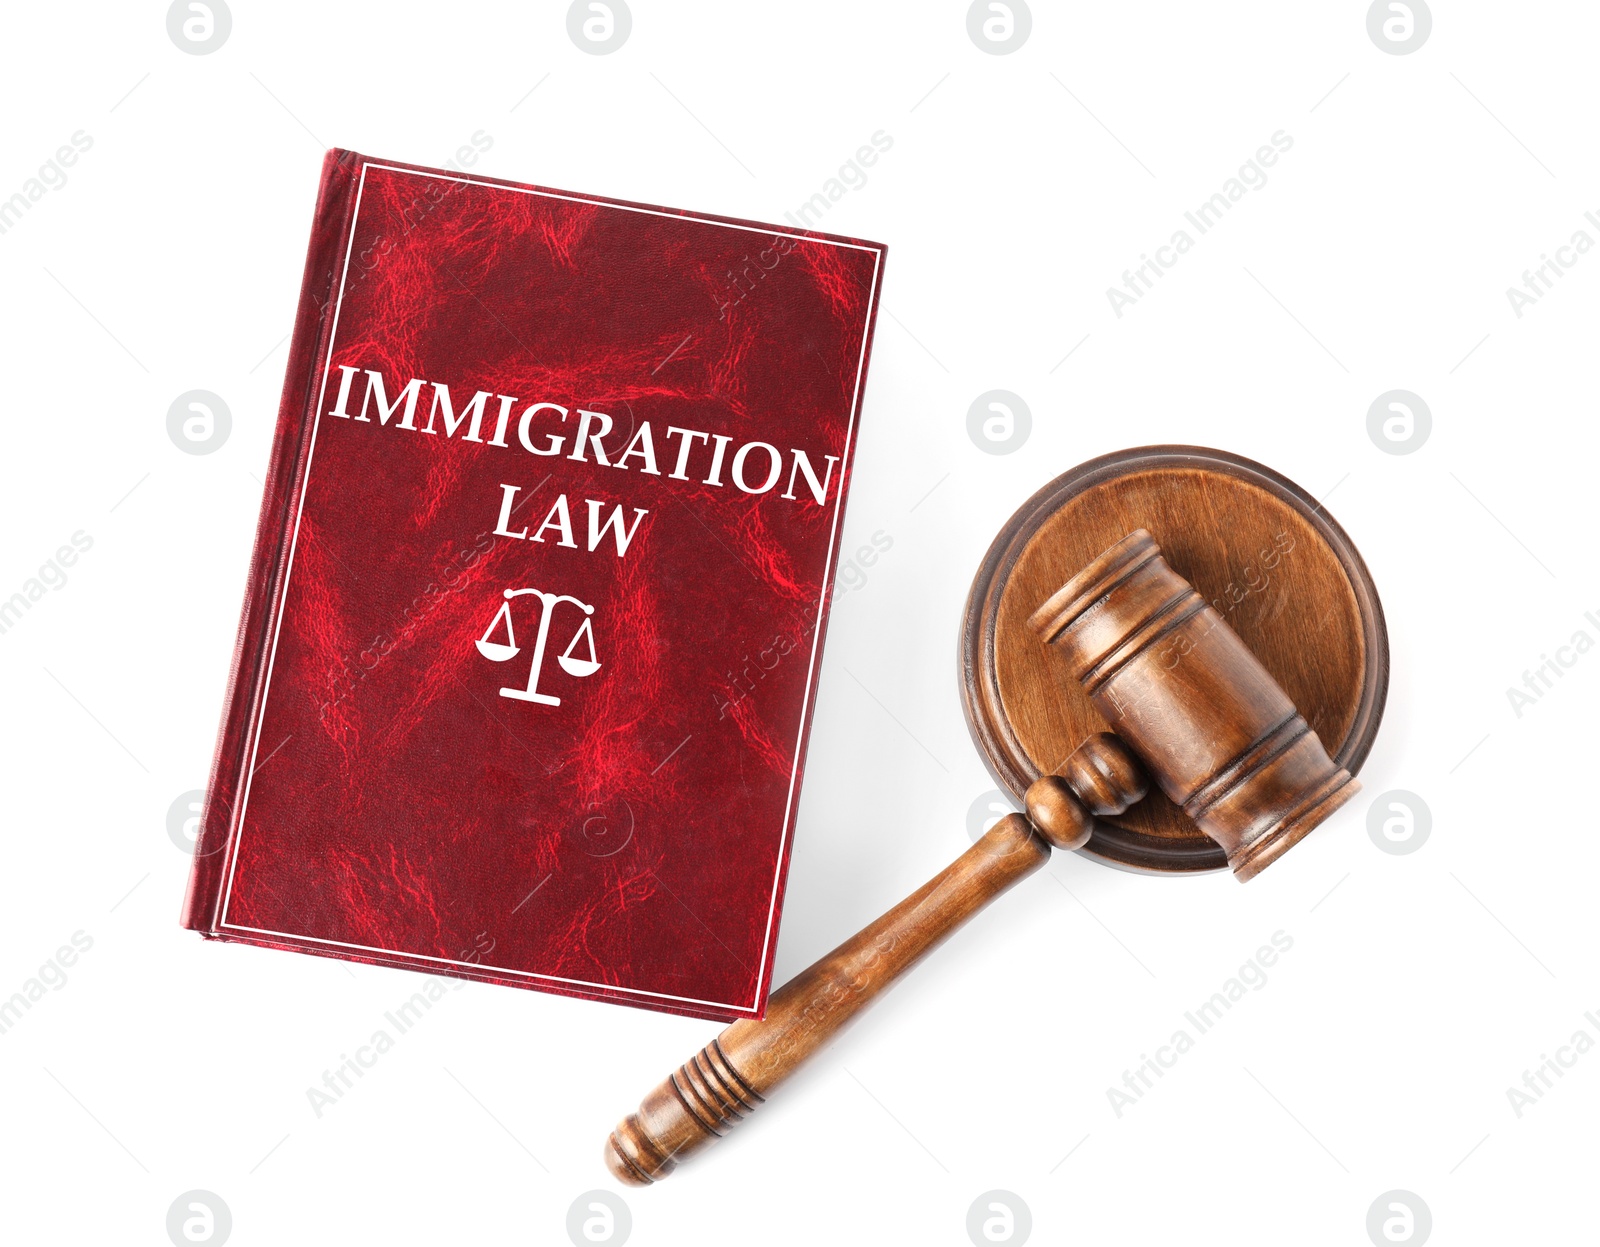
(504,651)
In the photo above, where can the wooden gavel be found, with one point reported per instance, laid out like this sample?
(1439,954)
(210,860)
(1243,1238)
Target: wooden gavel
(1184,694)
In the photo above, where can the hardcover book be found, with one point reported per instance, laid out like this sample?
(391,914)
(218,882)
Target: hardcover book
(533,625)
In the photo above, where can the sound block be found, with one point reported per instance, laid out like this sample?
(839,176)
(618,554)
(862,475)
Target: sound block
(1263,551)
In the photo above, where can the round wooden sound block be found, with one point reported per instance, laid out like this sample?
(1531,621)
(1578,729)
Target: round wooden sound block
(1261,550)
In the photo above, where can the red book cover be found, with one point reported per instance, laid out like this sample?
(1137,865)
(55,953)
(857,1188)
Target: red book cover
(533,626)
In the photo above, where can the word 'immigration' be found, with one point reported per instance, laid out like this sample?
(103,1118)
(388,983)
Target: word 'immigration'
(755,467)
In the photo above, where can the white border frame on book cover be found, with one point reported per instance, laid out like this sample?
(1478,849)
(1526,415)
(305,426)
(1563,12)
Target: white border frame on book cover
(816,640)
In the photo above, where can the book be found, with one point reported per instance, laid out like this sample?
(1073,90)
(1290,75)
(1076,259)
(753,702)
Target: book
(533,625)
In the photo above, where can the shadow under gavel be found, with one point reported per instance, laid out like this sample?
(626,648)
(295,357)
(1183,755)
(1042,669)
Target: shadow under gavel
(1186,697)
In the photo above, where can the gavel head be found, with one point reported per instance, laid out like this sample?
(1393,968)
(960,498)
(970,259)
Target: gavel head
(1176,683)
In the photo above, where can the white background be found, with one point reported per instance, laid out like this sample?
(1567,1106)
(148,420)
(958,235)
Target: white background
(1018,188)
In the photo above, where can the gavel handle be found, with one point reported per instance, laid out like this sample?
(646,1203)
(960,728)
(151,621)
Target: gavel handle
(736,1071)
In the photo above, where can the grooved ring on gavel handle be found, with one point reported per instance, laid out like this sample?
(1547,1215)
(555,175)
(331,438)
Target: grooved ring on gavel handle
(1101,777)
(728,1079)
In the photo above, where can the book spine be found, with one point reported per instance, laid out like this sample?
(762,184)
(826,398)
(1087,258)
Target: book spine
(313,326)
